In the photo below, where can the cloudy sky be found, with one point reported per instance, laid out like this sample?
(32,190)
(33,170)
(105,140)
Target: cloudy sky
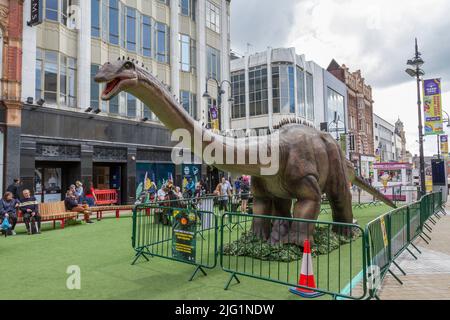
(376,36)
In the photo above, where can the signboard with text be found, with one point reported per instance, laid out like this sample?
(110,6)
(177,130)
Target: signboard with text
(432,105)
(183,235)
(444,146)
(36,13)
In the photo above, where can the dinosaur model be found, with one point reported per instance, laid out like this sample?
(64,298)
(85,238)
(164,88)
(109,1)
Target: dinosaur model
(311,162)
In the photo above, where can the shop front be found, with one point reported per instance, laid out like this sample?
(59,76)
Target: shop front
(395,180)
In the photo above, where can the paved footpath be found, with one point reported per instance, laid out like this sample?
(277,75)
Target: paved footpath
(429,276)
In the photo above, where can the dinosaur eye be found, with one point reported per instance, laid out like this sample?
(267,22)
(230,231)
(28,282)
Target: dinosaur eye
(128,65)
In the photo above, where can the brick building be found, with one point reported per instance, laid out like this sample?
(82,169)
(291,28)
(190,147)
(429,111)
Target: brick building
(10,83)
(360,117)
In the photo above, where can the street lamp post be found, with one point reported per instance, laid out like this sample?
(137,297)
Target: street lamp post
(220,92)
(417,72)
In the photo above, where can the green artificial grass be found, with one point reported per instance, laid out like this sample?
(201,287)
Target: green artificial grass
(35,267)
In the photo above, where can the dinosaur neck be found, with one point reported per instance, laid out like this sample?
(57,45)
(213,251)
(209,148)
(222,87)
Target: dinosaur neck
(173,116)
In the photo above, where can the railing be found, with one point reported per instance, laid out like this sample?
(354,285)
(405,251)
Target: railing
(106,197)
(250,257)
(179,234)
(389,235)
(347,267)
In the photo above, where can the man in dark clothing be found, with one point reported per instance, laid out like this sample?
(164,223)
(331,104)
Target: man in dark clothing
(14,188)
(72,204)
(30,210)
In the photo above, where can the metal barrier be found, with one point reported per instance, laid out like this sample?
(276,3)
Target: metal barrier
(330,273)
(344,267)
(106,197)
(179,234)
(392,233)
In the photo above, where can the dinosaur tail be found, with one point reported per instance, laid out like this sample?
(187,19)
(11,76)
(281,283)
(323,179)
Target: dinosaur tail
(377,194)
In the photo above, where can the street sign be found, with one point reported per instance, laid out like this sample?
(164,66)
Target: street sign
(36,13)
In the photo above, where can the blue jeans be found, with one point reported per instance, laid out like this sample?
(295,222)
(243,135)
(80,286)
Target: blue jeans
(89,201)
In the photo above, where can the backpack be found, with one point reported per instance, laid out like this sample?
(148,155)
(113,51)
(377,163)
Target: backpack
(5,226)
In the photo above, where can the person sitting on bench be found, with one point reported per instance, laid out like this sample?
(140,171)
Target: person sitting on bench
(8,210)
(72,204)
(30,210)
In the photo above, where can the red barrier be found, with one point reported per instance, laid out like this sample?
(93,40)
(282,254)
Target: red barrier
(108,196)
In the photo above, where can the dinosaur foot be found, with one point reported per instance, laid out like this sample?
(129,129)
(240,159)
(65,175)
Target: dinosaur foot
(295,233)
(261,228)
(346,231)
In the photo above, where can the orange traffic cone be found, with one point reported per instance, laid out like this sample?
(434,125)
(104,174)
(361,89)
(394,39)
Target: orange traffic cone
(306,276)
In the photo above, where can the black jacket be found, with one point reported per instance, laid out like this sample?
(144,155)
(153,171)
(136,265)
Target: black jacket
(15,190)
(29,203)
(70,203)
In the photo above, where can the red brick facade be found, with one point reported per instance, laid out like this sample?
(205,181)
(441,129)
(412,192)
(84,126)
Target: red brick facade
(11,13)
(360,110)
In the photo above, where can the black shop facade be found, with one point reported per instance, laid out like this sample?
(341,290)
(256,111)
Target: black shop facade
(59,147)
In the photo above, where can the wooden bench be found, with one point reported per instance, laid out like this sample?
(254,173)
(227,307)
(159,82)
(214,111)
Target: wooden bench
(52,211)
(117,208)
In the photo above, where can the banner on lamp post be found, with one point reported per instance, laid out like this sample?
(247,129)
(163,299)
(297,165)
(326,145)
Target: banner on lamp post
(432,105)
(214,116)
(444,146)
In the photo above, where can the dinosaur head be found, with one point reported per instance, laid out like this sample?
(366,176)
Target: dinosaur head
(119,75)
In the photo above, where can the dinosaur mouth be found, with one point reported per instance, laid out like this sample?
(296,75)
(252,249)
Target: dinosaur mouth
(111,87)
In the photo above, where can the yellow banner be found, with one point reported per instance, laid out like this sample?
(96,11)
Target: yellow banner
(444,146)
(383,231)
(432,107)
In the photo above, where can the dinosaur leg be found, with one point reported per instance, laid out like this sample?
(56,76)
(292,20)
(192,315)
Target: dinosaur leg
(306,207)
(261,227)
(262,205)
(280,228)
(341,206)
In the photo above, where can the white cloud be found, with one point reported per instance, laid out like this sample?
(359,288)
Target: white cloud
(376,36)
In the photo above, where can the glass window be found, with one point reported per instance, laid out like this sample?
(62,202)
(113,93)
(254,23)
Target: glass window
(51,10)
(114,105)
(123,23)
(62,81)
(283,88)
(39,62)
(213,63)
(258,90)
(161,45)
(72,83)
(105,30)
(185,7)
(189,102)
(291,89)
(309,97)
(131,106)
(114,22)
(146,36)
(301,92)
(238,94)
(50,76)
(185,52)
(131,29)
(63,11)
(276,89)
(212,17)
(55,78)
(95,88)
(95,18)
(335,104)
(193,56)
